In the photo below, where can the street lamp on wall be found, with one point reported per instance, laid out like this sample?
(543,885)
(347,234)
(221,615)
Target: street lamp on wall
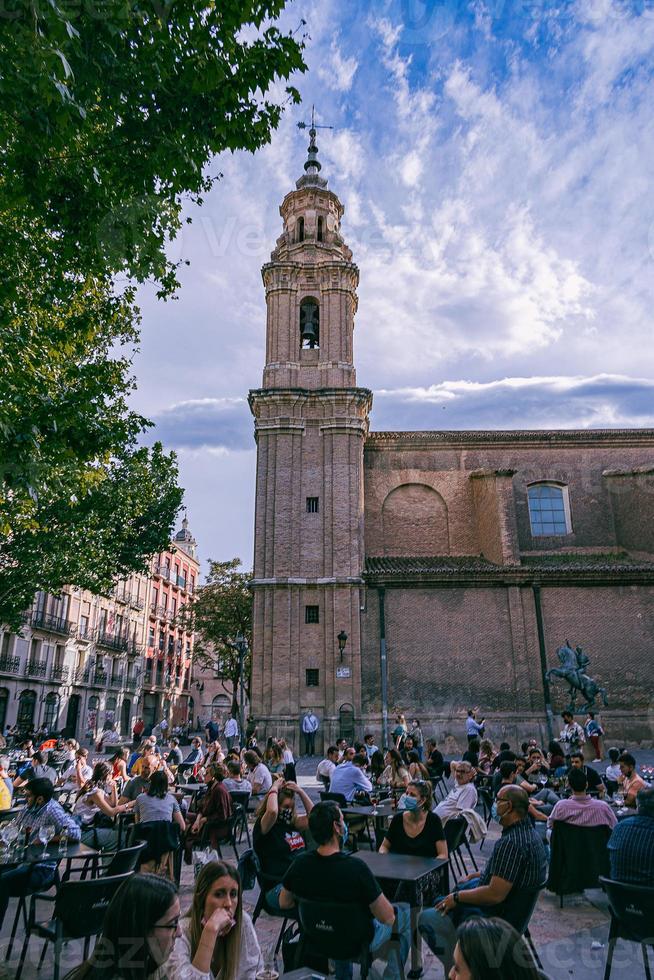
(342,640)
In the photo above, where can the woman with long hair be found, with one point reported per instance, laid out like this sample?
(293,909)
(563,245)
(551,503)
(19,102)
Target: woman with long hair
(217,937)
(97,799)
(119,765)
(157,806)
(275,760)
(139,931)
(395,774)
(491,949)
(417,769)
(277,836)
(486,755)
(377,765)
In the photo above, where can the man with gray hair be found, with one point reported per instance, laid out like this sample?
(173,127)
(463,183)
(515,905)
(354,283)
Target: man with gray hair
(517,866)
(463,796)
(631,845)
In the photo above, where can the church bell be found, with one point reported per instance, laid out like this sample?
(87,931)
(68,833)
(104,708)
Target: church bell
(309,325)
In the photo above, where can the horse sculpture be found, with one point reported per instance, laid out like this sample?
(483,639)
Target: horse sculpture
(573,664)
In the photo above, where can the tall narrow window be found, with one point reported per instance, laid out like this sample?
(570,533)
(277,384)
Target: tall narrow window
(313,677)
(319,230)
(549,509)
(309,323)
(313,505)
(311,614)
(300,229)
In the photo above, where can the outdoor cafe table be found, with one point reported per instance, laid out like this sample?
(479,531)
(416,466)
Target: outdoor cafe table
(405,869)
(34,855)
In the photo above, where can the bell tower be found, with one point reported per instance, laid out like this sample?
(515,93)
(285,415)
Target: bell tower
(310,425)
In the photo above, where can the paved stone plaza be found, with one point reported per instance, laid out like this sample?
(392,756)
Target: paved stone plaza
(571,941)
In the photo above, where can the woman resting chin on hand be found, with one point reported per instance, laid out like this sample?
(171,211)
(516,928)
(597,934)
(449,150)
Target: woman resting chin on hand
(217,937)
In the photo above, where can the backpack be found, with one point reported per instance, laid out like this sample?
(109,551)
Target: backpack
(248,867)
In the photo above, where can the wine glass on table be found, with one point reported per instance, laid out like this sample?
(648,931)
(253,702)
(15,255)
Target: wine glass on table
(374,799)
(45,835)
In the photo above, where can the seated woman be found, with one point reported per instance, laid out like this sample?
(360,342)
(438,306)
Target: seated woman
(146,909)
(96,800)
(275,761)
(118,762)
(556,758)
(491,949)
(213,811)
(157,806)
(217,936)
(277,836)
(377,765)
(395,775)
(417,769)
(416,830)
(486,755)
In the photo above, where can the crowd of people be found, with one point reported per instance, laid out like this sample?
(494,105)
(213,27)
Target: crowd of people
(301,847)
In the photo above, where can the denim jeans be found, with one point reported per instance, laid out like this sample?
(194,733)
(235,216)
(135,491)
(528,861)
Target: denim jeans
(24,880)
(439,931)
(272,900)
(379,945)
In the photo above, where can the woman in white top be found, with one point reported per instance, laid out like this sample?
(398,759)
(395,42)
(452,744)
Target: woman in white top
(96,797)
(218,941)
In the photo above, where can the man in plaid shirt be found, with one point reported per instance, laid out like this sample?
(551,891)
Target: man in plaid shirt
(41,809)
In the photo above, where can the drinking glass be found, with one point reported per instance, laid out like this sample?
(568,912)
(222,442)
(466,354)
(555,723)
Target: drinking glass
(374,800)
(11,833)
(270,965)
(45,835)
(63,840)
(619,798)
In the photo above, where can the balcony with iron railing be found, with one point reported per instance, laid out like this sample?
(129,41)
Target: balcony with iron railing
(58,673)
(52,624)
(9,665)
(36,668)
(85,633)
(112,641)
(116,680)
(131,684)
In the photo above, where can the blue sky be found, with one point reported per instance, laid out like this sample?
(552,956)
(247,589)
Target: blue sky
(495,163)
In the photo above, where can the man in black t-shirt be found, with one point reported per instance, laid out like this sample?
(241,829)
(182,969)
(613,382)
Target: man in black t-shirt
(593,778)
(329,874)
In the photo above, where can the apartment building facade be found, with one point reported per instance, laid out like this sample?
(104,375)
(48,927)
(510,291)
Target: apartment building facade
(83,662)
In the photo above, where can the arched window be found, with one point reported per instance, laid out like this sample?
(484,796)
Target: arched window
(309,323)
(26,706)
(300,230)
(51,712)
(549,509)
(319,229)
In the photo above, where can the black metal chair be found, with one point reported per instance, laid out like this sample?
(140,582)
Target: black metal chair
(265,883)
(218,835)
(121,862)
(78,913)
(334,797)
(240,803)
(455,830)
(578,857)
(632,918)
(518,909)
(340,931)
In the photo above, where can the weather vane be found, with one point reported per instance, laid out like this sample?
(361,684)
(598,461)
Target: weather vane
(303,125)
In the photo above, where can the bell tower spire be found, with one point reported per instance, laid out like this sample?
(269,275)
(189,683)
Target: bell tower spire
(311,421)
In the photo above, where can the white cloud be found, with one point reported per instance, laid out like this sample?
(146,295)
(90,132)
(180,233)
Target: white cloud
(338,73)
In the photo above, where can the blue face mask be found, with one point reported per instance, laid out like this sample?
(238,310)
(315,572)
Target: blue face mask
(345,835)
(494,813)
(408,803)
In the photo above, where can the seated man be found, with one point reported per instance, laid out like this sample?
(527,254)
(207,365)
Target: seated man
(235,782)
(463,796)
(595,784)
(504,755)
(630,782)
(139,784)
(326,767)
(581,809)
(631,845)
(78,773)
(369,742)
(38,770)
(41,809)
(329,874)
(518,861)
(349,778)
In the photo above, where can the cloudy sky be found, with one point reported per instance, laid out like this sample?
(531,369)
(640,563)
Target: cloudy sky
(495,162)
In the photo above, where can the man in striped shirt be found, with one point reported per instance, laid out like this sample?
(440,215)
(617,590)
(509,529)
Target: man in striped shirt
(631,845)
(581,809)
(517,866)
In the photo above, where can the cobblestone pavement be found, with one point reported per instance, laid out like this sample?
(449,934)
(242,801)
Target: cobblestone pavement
(571,941)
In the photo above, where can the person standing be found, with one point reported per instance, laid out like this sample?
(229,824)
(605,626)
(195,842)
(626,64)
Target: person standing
(309,728)
(416,735)
(231,732)
(137,731)
(212,730)
(594,732)
(474,728)
(572,734)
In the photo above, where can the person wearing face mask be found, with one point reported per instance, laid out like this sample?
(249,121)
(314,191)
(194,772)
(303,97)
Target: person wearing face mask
(415,829)
(217,936)
(277,837)
(518,863)
(331,875)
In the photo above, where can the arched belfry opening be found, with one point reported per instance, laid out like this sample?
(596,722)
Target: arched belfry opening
(319,230)
(300,230)
(309,323)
